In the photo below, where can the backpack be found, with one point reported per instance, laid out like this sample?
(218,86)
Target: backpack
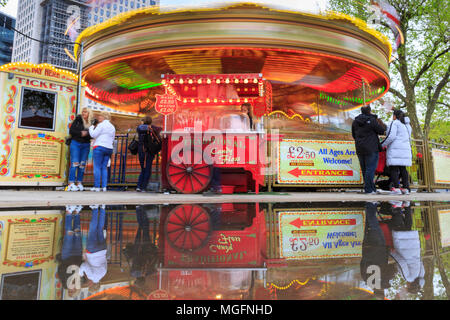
(152,143)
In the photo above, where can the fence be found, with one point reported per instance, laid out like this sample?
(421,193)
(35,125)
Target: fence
(125,168)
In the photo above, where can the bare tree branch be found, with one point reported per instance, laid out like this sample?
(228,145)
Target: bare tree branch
(397,94)
(431,105)
(428,65)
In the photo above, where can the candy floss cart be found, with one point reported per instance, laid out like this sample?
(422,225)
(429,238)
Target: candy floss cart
(206,131)
(37,104)
(212,251)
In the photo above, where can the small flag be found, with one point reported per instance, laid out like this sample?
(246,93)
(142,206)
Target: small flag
(392,18)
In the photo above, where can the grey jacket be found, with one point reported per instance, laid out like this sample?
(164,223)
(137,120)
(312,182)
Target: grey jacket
(398,144)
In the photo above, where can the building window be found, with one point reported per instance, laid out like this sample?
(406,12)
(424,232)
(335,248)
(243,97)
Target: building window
(38,109)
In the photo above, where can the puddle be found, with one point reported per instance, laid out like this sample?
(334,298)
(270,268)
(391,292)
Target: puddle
(231,251)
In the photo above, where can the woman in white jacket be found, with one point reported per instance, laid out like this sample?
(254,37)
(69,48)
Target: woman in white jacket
(104,134)
(398,154)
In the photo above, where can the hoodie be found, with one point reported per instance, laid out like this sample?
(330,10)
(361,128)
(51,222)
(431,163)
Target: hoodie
(365,131)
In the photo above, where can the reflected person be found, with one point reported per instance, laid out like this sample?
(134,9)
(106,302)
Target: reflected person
(142,254)
(95,264)
(71,254)
(406,246)
(374,266)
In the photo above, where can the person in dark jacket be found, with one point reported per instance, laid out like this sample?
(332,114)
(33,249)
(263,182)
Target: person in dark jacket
(365,130)
(79,149)
(145,156)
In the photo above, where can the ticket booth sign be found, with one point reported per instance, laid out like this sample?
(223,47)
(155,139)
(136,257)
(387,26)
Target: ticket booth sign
(165,104)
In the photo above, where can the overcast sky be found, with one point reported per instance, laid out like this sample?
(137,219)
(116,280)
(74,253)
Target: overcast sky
(10,8)
(307,5)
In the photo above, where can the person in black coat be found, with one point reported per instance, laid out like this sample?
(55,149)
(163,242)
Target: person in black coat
(80,146)
(144,154)
(365,130)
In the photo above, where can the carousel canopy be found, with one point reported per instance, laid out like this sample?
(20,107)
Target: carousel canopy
(333,61)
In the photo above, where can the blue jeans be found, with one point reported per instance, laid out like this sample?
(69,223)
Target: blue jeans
(101,156)
(95,240)
(145,160)
(79,152)
(368,163)
(72,244)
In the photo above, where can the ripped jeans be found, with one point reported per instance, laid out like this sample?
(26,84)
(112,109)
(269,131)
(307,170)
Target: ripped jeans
(79,153)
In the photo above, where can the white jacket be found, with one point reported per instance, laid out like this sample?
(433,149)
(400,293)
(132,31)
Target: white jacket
(104,134)
(398,144)
(407,254)
(94,266)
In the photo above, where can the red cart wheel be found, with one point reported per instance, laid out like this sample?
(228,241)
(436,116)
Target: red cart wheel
(188,227)
(189,178)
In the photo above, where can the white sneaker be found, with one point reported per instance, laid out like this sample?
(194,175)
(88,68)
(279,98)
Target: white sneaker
(95,189)
(103,189)
(395,191)
(72,187)
(80,187)
(404,191)
(94,206)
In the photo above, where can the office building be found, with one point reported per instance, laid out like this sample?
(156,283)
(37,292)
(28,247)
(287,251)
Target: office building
(6,38)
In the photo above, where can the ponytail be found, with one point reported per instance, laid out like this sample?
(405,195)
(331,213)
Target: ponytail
(400,115)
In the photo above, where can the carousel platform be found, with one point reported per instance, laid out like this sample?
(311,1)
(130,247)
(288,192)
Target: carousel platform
(32,198)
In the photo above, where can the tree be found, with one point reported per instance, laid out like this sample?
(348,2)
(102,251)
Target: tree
(420,70)
(3,3)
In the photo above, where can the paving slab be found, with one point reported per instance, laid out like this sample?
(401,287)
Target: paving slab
(26,198)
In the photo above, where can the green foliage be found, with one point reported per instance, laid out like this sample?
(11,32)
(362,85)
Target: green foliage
(420,71)
(3,3)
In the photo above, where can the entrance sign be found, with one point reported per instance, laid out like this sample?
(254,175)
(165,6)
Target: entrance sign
(320,234)
(318,162)
(441,163)
(165,104)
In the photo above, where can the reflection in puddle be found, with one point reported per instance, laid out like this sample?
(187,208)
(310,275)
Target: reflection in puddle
(239,251)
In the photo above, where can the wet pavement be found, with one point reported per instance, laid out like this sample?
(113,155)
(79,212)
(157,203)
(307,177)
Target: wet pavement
(32,198)
(345,250)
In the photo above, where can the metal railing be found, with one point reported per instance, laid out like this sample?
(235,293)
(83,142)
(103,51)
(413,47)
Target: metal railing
(125,167)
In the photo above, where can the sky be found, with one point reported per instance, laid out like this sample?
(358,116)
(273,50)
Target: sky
(10,8)
(304,5)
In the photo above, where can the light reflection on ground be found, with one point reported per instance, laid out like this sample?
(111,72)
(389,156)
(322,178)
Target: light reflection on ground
(243,251)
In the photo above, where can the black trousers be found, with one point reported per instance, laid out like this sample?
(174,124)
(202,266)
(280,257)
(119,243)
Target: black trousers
(396,173)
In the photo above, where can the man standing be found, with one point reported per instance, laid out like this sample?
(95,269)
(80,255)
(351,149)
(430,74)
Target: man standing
(365,130)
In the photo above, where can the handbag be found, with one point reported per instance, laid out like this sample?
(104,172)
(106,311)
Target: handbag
(381,165)
(133,146)
(68,140)
(153,145)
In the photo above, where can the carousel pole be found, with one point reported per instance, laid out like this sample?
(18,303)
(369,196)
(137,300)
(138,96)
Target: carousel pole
(79,73)
(364,91)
